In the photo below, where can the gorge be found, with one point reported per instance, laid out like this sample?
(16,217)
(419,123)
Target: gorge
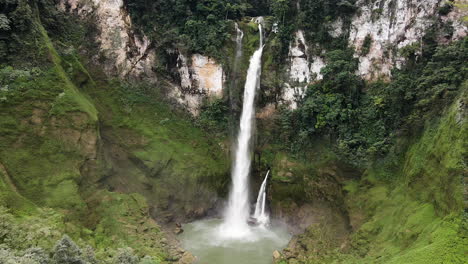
(233,131)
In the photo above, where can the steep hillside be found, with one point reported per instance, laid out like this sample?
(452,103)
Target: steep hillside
(70,135)
(417,216)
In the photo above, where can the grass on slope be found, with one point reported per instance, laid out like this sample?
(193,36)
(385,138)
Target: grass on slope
(421,220)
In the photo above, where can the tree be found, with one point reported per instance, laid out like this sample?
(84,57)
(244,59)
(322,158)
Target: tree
(4,23)
(67,252)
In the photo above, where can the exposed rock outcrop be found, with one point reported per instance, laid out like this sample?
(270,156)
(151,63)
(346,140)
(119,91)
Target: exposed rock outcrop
(377,31)
(202,78)
(128,54)
(392,25)
(302,70)
(125,53)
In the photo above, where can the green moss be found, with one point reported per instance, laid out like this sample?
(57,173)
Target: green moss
(418,216)
(420,220)
(79,100)
(124,221)
(437,159)
(9,198)
(45,116)
(51,166)
(65,195)
(351,187)
(175,153)
(250,43)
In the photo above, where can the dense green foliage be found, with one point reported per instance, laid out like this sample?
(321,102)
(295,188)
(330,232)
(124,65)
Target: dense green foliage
(418,218)
(215,116)
(19,30)
(204,26)
(314,17)
(362,119)
(194,26)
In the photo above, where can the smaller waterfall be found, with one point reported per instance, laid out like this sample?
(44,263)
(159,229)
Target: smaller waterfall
(260,213)
(239,37)
(235,76)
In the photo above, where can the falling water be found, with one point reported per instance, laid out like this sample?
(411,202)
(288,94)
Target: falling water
(232,240)
(237,213)
(260,207)
(233,99)
(239,37)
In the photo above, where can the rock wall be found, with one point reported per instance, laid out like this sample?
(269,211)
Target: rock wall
(124,52)
(387,25)
(392,25)
(302,70)
(200,78)
(377,31)
(127,54)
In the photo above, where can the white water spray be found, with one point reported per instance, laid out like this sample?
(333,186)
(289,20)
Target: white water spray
(239,37)
(237,213)
(260,213)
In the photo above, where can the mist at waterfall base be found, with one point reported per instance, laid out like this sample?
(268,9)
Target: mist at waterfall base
(232,240)
(202,239)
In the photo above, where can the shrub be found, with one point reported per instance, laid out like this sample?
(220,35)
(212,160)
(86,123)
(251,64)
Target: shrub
(125,256)
(366,45)
(67,252)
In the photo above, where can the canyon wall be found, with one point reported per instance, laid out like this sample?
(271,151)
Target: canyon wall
(378,31)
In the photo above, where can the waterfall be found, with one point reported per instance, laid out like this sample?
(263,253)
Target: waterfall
(239,37)
(235,79)
(260,207)
(238,210)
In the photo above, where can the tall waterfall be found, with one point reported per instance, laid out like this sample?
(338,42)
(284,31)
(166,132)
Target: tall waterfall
(238,210)
(260,207)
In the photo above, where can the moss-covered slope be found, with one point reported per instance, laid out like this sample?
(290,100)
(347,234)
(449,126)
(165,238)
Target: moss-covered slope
(75,148)
(415,218)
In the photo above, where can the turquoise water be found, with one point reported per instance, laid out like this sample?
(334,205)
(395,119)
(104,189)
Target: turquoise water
(205,240)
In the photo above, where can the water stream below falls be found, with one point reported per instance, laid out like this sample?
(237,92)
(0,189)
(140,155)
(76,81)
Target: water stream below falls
(202,239)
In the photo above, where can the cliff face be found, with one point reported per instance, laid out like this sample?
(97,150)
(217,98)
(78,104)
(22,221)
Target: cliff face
(110,156)
(303,69)
(392,25)
(83,146)
(377,32)
(124,52)
(127,54)
(201,79)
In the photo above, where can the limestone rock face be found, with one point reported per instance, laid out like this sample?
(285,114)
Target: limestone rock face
(202,78)
(300,69)
(392,25)
(125,53)
(303,69)
(388,26)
